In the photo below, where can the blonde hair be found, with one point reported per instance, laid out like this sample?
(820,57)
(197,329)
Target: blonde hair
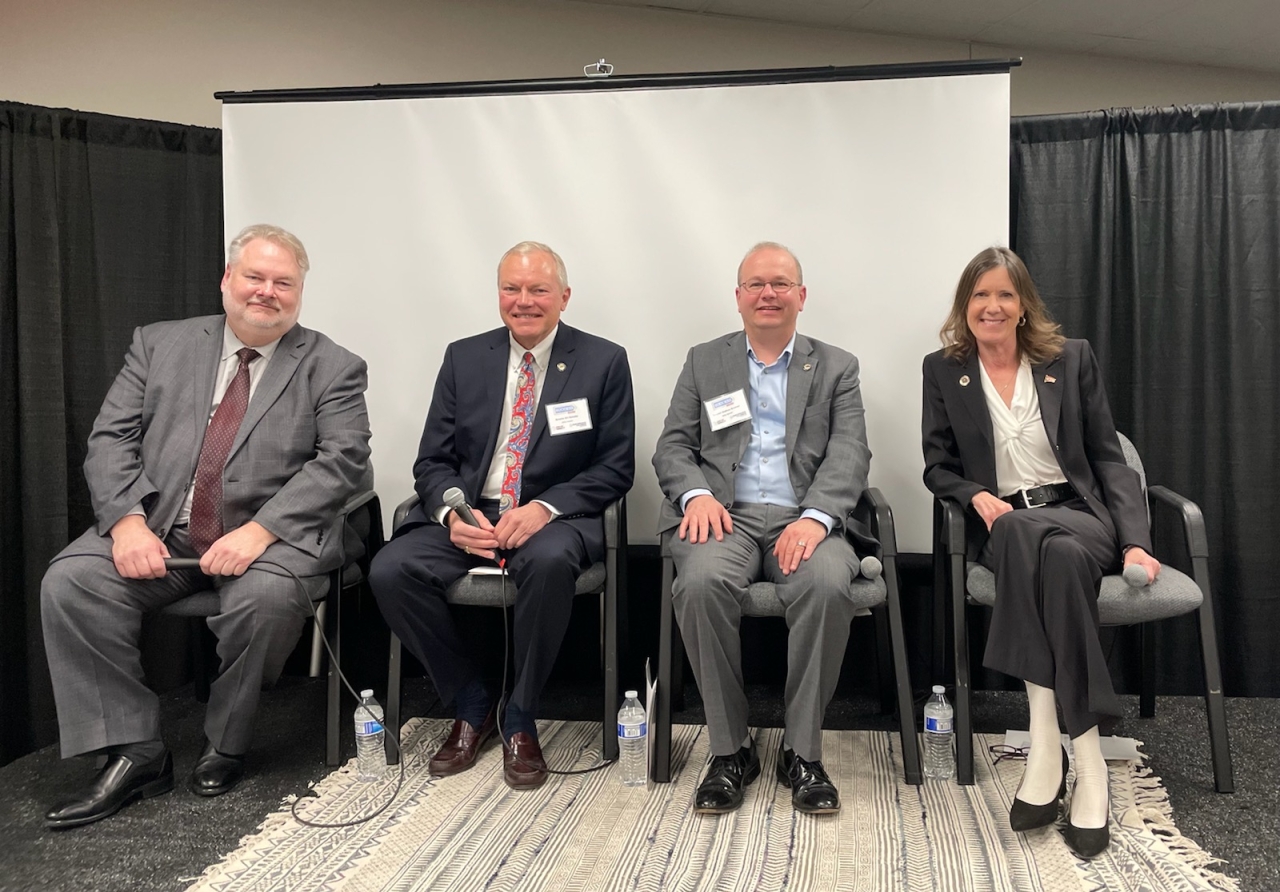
(274,234)
(1039,337)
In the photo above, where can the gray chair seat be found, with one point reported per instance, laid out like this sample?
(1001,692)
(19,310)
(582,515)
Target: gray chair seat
(1119,604)
(485,589)
(762,597)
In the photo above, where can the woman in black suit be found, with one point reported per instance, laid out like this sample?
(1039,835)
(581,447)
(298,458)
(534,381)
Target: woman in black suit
(1016,417)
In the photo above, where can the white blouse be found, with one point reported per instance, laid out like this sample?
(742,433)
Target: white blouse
(1024,455)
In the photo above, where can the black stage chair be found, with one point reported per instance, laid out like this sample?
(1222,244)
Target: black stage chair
(1172,594)
(880,596)
(604,579)
(362,537)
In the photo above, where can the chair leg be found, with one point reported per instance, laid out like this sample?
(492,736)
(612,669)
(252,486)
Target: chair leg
(677,667)
(333,619)
(939,596)
(884,660)
(902,673)
(317,642)
(609,629)
(660,725)
(1147,689)
(392,723)
(1215,704)
(963,714)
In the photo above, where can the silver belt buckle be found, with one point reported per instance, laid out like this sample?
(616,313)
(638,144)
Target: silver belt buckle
(1026,500)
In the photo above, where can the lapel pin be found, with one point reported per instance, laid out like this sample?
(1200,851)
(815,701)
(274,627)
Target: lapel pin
(807,366)
(964,380)
(559,366)
(1049,379)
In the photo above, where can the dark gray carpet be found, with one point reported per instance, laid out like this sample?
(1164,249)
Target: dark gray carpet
(163,843)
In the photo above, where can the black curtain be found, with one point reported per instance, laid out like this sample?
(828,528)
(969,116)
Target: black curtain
(1155,233)
(105,224)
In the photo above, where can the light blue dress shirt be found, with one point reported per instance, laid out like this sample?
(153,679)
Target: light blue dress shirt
(762,476)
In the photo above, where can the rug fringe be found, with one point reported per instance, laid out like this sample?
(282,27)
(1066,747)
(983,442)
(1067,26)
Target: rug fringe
(1153,809)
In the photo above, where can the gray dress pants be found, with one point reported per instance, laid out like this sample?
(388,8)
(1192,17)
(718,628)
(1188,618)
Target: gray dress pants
(710,584)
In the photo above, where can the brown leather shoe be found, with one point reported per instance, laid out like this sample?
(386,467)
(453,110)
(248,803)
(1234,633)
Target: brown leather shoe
(523,767)
(462,746)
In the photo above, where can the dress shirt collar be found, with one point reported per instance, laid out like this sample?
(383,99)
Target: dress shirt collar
(541,351)
(232,344)
(784,357)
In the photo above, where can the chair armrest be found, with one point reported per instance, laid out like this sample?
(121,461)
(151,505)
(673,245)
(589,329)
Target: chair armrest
(359,500)
(953,524)
(613,515)
(873,510)
(402,511)
(1190,515)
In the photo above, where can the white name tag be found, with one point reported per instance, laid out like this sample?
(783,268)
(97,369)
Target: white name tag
(568,418)
(727,410)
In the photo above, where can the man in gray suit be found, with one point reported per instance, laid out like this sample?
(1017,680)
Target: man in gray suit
(234,439)
(762,459)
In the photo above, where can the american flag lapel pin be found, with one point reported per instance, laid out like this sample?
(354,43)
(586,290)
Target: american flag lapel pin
(559,366)
(1049,379)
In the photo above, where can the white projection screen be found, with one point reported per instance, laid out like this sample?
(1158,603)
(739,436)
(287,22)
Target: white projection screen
(884,188)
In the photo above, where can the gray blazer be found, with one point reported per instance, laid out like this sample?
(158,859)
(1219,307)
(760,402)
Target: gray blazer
(827,454)
(301,453)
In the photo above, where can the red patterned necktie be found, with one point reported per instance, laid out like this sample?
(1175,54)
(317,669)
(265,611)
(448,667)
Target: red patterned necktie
(206,501)
(518,435)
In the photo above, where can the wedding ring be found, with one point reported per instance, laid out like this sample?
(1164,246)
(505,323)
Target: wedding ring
(801,543)
(467,549)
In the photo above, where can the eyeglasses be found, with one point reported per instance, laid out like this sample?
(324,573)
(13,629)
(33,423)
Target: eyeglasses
(779,286)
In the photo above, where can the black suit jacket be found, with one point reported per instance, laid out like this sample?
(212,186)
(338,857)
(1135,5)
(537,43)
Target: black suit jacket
(579,473)
(959,452)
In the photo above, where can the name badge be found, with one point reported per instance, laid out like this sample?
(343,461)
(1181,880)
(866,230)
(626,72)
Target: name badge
(727,410)
(568,418)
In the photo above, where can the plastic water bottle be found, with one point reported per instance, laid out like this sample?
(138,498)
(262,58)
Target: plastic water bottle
(371,758)
(938,732)
(633,733)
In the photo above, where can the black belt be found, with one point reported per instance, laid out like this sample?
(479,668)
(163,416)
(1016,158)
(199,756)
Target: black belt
(1039,496)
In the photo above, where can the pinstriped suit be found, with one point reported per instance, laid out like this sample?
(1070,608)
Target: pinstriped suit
(301,451)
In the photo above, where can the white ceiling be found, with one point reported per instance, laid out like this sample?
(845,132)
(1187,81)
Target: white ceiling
(1224,33)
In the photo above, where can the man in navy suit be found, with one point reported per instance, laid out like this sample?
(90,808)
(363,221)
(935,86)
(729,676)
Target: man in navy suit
(535,423)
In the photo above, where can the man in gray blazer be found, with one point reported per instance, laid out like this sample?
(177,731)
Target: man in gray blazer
(233,439)
(762,459)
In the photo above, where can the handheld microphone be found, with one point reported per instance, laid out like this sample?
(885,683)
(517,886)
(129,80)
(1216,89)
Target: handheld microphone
(182,563)
(1136,576)
(454,498)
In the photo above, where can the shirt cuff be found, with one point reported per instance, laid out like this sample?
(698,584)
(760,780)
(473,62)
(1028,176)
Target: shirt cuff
(442,514)
(684,499)
(549,507)
(821,517)
(138,510)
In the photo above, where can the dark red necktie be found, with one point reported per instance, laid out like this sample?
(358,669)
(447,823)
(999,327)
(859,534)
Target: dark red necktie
(206,501)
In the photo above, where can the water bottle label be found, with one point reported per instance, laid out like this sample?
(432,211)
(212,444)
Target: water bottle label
(368,727)
(631,731)
(937,724)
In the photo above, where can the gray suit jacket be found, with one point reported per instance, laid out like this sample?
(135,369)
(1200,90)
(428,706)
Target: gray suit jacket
(302,450)
(827,454)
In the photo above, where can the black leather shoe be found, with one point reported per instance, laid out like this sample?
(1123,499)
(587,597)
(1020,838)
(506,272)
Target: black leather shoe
(1024,816)
(1088,842)
(811,790)
(118,783)
(215,773)
(721,790)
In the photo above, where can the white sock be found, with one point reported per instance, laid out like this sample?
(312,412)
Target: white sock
(1089,797)
(1043,776)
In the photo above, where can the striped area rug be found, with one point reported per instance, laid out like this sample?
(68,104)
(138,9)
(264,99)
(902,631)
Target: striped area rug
(587,832)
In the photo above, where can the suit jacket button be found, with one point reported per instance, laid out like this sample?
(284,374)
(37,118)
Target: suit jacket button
(733,467)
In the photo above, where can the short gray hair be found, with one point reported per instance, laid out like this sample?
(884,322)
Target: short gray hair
(773,246)
(524,249)
(274,234)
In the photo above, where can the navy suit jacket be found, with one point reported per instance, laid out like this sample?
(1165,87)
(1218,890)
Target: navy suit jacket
(959,450)
(579,473)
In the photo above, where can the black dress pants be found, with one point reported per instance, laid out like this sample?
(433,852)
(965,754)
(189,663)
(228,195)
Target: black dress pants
(411,572)
(1048,563)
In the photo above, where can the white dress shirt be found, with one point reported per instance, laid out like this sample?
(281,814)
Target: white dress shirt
(1024,455)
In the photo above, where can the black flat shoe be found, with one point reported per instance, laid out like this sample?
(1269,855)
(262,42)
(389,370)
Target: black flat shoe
(118,783)
(721,790)
(1024,816)
(1088,842)
(811,789)
(215,773)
